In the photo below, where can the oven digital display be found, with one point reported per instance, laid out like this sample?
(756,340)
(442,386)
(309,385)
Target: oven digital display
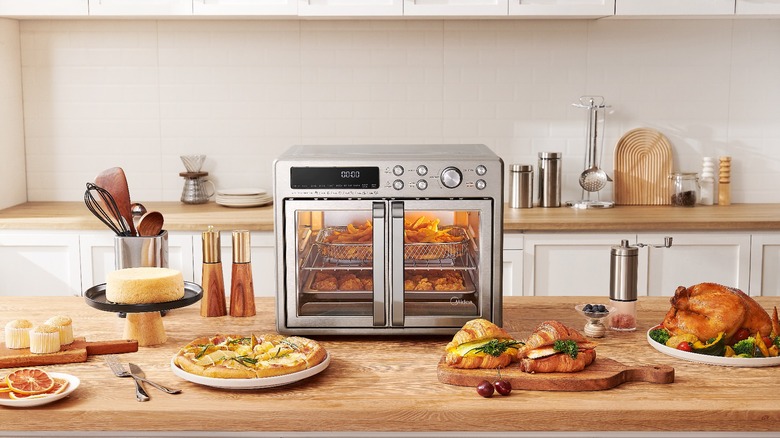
(334,178)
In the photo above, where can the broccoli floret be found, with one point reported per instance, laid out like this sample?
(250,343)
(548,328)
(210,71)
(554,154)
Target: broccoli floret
(745,347)
(776,341)
(660,335)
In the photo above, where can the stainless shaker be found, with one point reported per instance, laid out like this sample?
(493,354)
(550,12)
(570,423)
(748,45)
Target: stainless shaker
(549,179)
(521,183)
(623,269)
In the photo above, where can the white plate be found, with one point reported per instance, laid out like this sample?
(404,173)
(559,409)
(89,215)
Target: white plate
(242,192)
(253,204)
(258,383)
(714,360)
(73,383)
(241,200)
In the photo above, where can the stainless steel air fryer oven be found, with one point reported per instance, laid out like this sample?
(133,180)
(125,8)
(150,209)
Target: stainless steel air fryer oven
(391,239)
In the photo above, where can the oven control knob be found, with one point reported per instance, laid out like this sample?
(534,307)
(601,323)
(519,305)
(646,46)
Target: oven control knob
(481,170)
(398,170)
(451,177)
(398,184)
(422,184)
(422,170)
(480,184)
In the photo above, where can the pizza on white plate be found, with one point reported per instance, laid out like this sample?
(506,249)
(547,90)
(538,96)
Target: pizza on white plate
(249,356)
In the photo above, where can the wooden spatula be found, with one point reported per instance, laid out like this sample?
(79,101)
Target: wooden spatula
(151,224)
(115,182)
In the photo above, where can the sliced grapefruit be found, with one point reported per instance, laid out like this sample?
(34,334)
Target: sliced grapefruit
(29,381)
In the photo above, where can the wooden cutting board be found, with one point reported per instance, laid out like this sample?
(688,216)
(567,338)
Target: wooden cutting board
(603,373)
(78,351)
(643,162)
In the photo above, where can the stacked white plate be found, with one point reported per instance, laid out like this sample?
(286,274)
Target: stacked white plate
(243,197)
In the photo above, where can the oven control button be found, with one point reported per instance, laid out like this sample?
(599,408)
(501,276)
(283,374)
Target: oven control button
(480,184)
(398,170)
(422,184)
(451,177)
(481,170)
(422,170)
(398,184)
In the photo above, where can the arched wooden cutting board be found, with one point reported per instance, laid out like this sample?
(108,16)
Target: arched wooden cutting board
(643,162)
(603,373)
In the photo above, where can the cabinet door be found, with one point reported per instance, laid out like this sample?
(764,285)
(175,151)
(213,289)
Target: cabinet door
(569,263)
(698,258)
(350,8)
(765,264)
(674,7)
(758,7)
(513,265)
(263,262)
(245,7)
(97,256)
(43,8)
(140,7)
(443,8)
(39,263)
(562,8)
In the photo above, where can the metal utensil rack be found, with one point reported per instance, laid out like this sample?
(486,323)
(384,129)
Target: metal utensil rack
(593,178)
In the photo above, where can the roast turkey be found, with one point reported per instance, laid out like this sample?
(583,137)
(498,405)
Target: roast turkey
(707,309)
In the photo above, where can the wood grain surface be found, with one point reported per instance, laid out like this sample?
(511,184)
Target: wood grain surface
(390,384)
(643,162)
(77,351)
(184,217)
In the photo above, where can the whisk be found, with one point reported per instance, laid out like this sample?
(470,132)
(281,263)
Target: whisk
(100,202)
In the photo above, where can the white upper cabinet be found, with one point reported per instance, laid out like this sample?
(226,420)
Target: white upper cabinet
(140,7)
(350,8)
(683,8)
(43,8)
(473,8)
(758,7)
(245,7)
(562,8)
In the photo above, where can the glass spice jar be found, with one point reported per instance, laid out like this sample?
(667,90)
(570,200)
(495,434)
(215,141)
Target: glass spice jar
(684,189)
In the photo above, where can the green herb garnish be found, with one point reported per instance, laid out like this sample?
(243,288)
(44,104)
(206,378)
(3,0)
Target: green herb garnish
(290,344)
(569,347)
(239,341)
(203,350)
(245,360)
(495,347)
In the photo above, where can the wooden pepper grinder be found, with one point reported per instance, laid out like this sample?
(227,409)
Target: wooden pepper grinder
(213,301)
(724,181)
(242,294)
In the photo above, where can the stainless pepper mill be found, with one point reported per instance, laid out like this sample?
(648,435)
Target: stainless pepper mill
(623,269)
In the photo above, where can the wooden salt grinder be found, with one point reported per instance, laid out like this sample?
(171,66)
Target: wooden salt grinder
(213,301)
(724,181)
(242,293)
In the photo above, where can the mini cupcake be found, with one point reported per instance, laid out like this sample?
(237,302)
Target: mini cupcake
(44,339)
(17,333)
(65,325)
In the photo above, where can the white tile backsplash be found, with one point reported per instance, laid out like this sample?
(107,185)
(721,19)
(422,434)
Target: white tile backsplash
(139,93)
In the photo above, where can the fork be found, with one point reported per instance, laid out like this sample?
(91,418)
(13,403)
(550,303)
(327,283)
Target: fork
(119,371)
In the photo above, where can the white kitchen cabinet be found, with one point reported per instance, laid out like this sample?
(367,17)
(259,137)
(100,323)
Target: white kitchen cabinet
(765,264)
(39,263)
(758,7)
(682,8)
(350,8)
(562,8)
(697,258)
(43,8)
(569,263)
(512,281)
(245,7)
(140,7)
(443,8)
(263,261)
(97,256)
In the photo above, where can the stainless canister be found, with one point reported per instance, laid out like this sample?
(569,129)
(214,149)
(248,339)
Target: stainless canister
(521,183)
(549,179)
(141,251)
(623,269)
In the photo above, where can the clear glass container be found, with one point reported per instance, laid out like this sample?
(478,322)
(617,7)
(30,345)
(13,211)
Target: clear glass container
(623,318)
(684,189)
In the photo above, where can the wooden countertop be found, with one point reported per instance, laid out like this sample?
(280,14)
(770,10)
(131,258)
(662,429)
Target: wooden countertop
(183,217)
(390,384)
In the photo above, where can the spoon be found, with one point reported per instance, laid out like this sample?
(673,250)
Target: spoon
(150,224)
(137,210)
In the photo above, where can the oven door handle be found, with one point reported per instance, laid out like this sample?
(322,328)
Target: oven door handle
(379,218)
(397,263)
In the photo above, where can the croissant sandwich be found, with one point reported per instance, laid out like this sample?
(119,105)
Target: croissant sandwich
(481,344)
(555,348)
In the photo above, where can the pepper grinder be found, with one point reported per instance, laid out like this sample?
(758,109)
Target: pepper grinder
(623,269)
(242,294)
(724,181)
(213,301)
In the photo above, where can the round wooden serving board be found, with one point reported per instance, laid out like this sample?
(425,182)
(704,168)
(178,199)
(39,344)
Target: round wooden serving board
(603,373)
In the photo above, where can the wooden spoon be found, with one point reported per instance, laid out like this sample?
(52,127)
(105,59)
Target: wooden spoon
(151,224)
(115,182)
